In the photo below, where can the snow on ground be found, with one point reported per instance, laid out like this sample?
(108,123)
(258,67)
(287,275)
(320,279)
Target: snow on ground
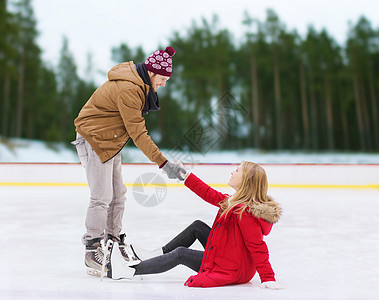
(324,247)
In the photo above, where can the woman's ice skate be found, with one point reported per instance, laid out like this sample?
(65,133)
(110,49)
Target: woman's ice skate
(118,267)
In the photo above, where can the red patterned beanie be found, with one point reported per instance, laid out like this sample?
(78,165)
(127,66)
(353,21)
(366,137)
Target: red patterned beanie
(160,62)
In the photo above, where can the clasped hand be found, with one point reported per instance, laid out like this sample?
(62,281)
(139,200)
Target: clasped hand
(175,170)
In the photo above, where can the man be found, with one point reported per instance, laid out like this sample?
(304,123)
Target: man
(113,115)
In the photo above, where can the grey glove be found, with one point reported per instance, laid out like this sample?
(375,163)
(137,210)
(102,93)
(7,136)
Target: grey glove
(173,171)
(183,174)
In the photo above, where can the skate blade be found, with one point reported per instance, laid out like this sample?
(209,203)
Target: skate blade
(94,272)
(97,273)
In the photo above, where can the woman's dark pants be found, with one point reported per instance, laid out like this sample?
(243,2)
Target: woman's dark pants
(177,251)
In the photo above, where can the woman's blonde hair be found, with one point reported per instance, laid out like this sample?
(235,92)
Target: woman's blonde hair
(252,191)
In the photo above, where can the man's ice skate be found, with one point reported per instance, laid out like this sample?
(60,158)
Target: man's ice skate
(125,249)
(94,257)
(118,267)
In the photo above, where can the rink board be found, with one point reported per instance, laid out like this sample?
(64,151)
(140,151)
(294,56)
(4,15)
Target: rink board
(279,175)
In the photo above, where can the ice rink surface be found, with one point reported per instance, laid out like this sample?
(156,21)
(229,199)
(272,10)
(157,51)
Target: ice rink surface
(326,245)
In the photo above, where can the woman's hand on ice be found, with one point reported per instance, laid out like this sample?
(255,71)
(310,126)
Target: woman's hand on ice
(272,285)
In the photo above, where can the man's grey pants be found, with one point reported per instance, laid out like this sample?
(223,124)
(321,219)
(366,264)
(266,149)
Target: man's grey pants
(107,192)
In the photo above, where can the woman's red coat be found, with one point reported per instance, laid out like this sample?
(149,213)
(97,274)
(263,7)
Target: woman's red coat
(235,248)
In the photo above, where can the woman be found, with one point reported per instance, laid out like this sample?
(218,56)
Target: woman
(234,246)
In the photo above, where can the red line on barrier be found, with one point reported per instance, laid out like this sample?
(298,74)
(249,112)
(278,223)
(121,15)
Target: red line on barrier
(197,164)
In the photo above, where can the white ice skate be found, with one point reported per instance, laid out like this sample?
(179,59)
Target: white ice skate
(118,267)
(144,254)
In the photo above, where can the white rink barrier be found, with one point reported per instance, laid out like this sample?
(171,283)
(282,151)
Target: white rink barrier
(354,176)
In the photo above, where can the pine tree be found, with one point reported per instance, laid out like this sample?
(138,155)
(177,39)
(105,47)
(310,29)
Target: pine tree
(67,83)
(28,56)
(362,45)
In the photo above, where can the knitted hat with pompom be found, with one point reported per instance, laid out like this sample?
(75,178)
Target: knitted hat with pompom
(160,62)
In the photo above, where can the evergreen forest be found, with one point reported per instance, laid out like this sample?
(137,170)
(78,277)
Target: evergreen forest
(272,90)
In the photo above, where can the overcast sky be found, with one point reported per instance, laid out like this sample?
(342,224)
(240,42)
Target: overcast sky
(98,25)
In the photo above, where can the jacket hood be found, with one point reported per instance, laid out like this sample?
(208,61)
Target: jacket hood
(125,71)
(270,211)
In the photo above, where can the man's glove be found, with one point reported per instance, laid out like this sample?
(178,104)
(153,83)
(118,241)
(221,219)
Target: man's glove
(272,285)
(174,170)
(182,170)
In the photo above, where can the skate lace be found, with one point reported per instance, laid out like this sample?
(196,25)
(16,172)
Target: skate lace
(107,248)
(99,256)
(127,253)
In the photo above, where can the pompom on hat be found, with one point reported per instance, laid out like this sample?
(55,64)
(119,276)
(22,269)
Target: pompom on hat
(160,62)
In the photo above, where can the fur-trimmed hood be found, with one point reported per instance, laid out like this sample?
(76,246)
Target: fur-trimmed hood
(270,211)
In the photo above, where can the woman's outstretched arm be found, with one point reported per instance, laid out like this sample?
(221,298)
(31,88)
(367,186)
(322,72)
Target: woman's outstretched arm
(204,191)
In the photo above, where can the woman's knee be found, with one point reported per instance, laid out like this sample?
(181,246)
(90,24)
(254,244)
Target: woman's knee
(198,224)
(180,251)
(188,257)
